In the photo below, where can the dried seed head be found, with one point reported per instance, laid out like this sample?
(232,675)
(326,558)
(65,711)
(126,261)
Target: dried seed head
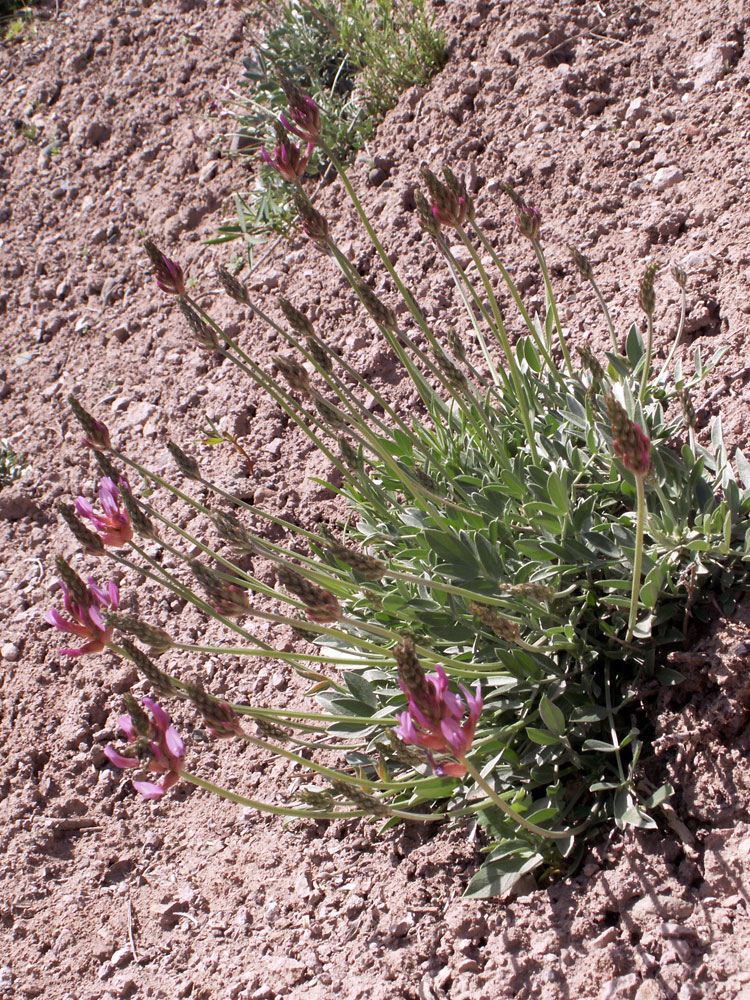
(646,295)
(321,605)
(629,443)
(296,319)
(91,542)
(161,682)
(329,414)
(96,433)
(680,276)
(351,456)
(77,589)
(234,533)
(295,373)
(581,263)
(368,567)
(187,465)
(204,335)
(456,345)
(539,591)
(319,354)
(382,314)
(154,637)
(497,623)
(233,287)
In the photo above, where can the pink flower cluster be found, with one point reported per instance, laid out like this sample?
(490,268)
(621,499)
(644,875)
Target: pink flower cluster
(86,620)
(114,524)
(433,721)
(162,744)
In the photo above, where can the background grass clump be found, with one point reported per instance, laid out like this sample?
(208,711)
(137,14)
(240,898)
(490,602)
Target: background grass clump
(355,58)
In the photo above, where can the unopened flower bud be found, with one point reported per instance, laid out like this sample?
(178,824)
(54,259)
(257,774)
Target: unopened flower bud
(629,443)
(448,207)
(295,374)
(271,731)
(458,187)
(646,295)
(329,414)
(139,719)
(427,219)
(368,567)
(321,605)
(688,410)
(582,263)
(168,273)
(96,433)
(425,480)
(234,288)
(528,221)
(456,345)
(382,314)
(219,716)
(228,599)
(77,589)
(351,456)
(204,334)
(234,533)
(154,637)
(91,542)
(140,522)
(106,466)
(410,670)
(319,354)
(160,681)
(303,112)
(453,374)
(360,798)
(680,276)
(296,319)
(313,223)
(317,799)
(187,465)
(591,363)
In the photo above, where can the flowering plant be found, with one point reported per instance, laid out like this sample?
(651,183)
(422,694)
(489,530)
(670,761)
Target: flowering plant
(534,529)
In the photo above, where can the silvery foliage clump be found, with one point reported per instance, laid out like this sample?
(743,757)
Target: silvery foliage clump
(531,541)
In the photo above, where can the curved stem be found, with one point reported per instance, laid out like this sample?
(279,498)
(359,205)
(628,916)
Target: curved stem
(511,813)
(649,349)
(638,556)
(553,305)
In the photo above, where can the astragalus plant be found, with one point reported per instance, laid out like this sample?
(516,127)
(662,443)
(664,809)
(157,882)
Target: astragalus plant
(529,545)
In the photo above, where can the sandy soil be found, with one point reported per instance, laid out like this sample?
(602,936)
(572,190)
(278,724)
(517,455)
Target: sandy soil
(627,125)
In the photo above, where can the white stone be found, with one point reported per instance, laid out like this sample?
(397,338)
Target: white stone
(636,110)
(667,177)
(10,652)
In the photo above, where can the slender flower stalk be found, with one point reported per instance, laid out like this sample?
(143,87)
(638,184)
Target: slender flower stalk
(647,302)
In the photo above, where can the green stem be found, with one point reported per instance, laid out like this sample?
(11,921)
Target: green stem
(638,557)
(511,813)
(553,304)
(677,339)
(649,349)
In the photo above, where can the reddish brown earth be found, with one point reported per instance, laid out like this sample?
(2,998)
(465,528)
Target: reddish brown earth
(627,125)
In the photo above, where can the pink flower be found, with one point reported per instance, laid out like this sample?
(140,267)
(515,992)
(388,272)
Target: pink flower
(114,524)
(305,116)
(433,721)
(159,744)
(288,160)
(87,622)
(168,273)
